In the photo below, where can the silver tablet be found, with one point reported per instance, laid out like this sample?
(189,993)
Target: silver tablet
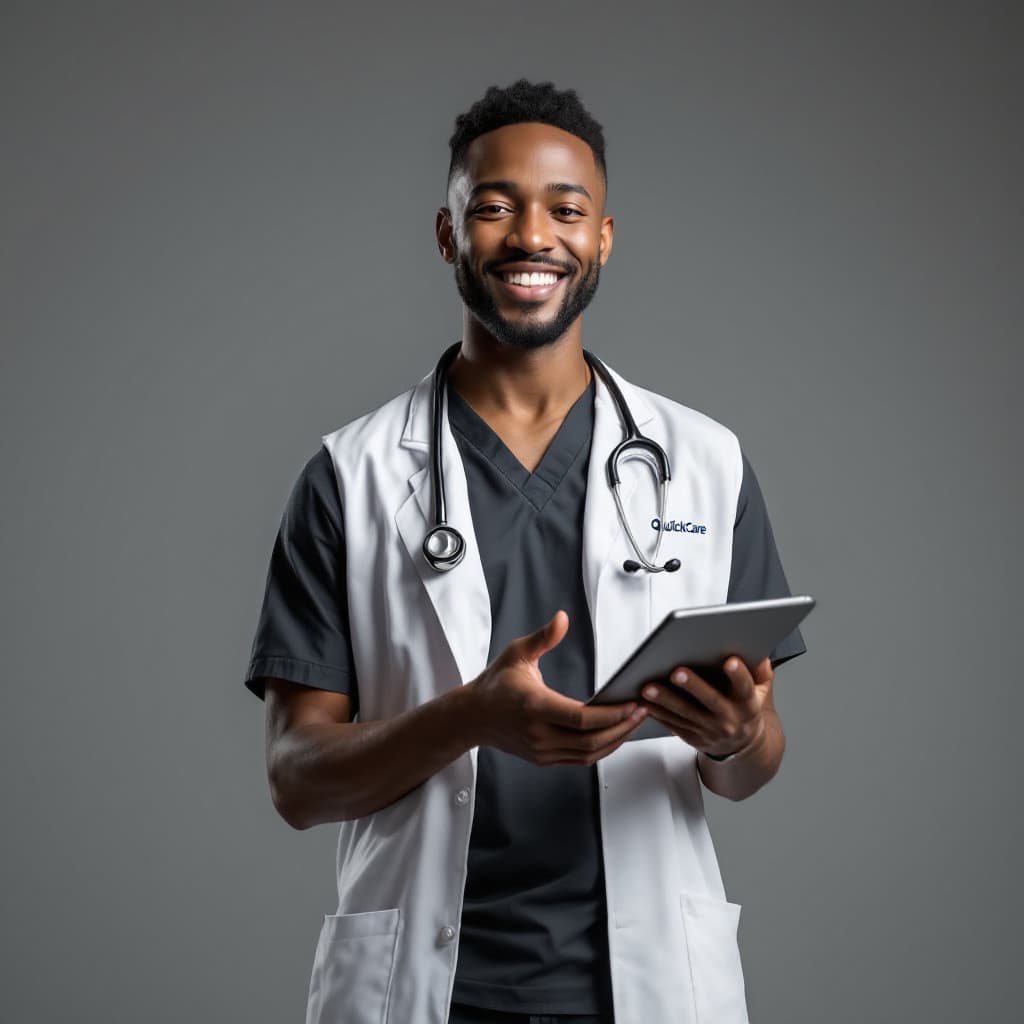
(701,639)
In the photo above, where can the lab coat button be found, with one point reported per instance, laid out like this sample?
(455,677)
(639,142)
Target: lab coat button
(447,933)
(462,797)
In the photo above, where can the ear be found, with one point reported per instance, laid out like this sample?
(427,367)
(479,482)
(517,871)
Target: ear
(605,245)
(445,235)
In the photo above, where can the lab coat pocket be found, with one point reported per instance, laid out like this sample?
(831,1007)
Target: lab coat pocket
(352,969)
(716,974)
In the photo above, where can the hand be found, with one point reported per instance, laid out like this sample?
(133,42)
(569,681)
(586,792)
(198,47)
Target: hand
(709,720)
(518,713)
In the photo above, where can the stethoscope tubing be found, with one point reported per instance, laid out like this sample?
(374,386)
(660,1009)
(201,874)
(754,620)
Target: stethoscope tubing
(444,547)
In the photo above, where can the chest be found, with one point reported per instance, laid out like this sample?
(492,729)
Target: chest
(526,443)
(423,631)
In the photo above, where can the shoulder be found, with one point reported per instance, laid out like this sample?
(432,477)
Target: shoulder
(384,437)
(375,454)
(317,476)
(688,418)
(670,411)
(314,498)
(387,418)
(686,429)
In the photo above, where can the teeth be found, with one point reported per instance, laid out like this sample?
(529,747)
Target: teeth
(530,280)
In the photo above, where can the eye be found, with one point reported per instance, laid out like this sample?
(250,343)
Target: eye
(491,209)
(568,211)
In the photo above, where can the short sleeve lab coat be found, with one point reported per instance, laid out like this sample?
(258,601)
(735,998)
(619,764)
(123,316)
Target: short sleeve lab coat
(389,951)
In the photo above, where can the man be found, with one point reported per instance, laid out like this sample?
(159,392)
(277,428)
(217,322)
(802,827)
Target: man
(504,854)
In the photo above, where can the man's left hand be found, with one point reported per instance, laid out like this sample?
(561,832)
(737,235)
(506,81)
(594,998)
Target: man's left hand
(709,720)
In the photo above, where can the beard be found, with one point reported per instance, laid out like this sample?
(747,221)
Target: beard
(531,331)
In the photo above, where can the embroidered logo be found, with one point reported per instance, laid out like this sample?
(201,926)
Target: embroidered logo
(678,525)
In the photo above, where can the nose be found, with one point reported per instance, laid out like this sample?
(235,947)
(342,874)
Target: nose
(530,230)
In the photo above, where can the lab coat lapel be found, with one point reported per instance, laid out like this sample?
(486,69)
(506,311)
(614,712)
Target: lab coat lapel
(459,596)
(618,601)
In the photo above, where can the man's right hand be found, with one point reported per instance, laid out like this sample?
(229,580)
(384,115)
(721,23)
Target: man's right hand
(324,767)
(515,711)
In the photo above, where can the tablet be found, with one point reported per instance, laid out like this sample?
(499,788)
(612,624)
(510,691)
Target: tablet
(701,639)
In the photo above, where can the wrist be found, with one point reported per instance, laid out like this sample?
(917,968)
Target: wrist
(464,705)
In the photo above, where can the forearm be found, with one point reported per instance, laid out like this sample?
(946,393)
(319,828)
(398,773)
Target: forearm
(336,772)
(745,774)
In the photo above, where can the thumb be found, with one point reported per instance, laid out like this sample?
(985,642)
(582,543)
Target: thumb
(549,635)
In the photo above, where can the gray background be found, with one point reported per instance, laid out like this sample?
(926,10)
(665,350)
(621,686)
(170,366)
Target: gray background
(217,246)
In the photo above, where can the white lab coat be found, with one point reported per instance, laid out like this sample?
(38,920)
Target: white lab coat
(389,952)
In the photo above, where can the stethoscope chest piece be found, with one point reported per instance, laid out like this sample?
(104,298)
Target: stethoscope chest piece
(444,547)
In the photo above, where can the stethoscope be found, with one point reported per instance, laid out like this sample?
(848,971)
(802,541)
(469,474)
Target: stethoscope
(444,547)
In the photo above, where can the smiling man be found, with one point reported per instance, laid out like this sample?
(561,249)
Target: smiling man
(524,295)
(452,580)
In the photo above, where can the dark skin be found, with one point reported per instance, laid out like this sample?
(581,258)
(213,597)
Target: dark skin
(524,395)
(530,199)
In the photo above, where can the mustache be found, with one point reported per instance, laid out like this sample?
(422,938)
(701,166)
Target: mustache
(539,261)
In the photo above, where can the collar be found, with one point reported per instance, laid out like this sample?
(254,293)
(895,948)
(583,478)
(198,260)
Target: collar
(416,433)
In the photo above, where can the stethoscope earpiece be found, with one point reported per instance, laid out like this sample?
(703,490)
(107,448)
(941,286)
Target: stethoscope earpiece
(444,547)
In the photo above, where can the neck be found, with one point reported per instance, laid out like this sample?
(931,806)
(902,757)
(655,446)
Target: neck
(523,384)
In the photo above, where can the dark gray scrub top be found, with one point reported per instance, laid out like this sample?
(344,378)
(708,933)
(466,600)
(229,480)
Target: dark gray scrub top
(534,928)
(533,935)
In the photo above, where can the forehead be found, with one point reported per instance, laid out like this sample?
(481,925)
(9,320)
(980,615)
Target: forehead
(532,154)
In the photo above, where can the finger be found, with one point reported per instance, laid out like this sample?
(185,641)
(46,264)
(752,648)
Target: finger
(609,740)
(538,643)
(709,697)
(571,757)
(563,711)
(685,730)
(679,704)
(763,672)
(585,741)
(741,679)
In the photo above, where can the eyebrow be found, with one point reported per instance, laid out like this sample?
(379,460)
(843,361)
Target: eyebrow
(510,186)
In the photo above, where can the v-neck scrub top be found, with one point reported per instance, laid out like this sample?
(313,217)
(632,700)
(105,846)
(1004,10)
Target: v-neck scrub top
(533,935)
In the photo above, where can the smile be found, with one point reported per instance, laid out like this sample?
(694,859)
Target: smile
(531,280)
(529,286)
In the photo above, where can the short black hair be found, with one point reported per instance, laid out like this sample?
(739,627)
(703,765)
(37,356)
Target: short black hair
(526,101)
